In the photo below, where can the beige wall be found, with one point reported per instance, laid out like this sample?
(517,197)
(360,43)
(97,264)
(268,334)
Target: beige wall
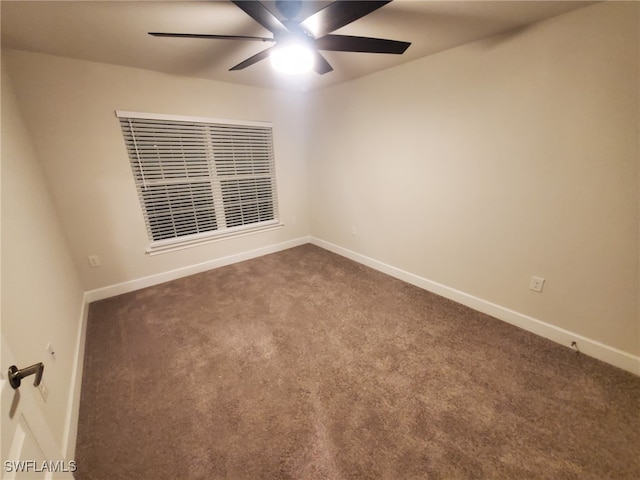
(69,108)
(41,291)
(492,162)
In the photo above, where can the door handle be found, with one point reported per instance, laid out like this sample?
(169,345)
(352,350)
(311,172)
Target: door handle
(16,376)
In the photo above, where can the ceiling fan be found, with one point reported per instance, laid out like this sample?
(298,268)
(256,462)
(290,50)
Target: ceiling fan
(313,33)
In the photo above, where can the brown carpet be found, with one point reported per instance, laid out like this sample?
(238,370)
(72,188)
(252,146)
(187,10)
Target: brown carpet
(306,365)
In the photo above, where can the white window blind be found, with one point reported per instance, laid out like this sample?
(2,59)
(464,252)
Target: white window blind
(200,178)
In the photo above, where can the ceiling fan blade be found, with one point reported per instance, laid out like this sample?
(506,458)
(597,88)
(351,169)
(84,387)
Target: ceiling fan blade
(338,14)
(321,64)
(253,59)
(262,15)
(345,43)
(202,35)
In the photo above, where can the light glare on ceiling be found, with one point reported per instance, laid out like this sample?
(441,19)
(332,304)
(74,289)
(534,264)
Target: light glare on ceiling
(292,59)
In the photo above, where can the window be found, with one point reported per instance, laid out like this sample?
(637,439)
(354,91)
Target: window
(200,179)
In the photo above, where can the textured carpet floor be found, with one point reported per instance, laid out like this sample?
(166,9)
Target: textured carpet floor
(305,365)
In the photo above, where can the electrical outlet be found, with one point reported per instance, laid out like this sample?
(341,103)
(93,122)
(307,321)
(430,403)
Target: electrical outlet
(44,390)
(94,260)
(354,230)
(536,284)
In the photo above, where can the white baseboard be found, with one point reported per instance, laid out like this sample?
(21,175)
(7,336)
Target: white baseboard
(589,347)
(144,282)
(73,406)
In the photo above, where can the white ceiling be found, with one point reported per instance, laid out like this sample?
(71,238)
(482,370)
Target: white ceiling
(116,32)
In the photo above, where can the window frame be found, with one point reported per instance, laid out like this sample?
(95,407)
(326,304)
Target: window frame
(213,178)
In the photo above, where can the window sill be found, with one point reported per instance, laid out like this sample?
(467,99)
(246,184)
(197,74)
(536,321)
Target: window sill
(159,248)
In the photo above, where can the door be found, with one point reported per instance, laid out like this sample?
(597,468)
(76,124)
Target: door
(29,450)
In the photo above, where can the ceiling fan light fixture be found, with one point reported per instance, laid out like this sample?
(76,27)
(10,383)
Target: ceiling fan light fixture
(295,58)
(299,43)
